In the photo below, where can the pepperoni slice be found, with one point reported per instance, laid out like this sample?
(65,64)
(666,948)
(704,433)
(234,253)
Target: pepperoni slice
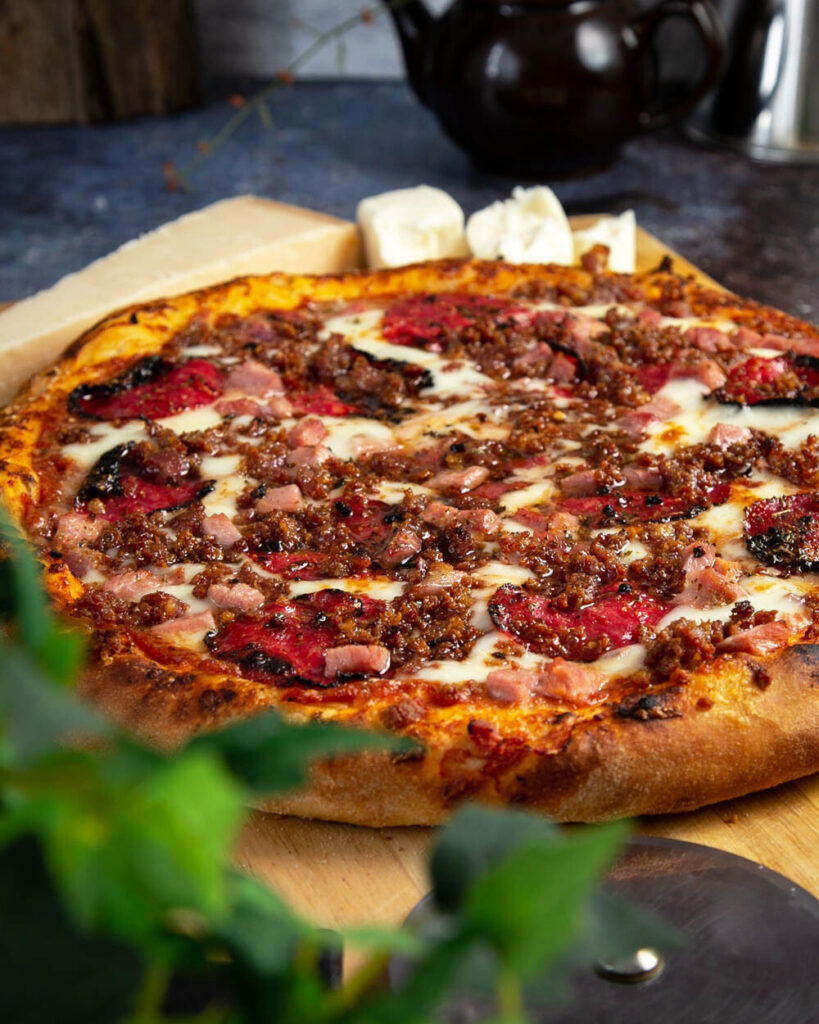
(369,522)
(285,642)
(427,321)
(785,531)
(292,565)
(319,402)
(784,379)
(653,376)
(615,620)
(622,508)
(123,492)
(152,389)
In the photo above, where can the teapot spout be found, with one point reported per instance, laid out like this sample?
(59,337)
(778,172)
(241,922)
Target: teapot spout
(413,22)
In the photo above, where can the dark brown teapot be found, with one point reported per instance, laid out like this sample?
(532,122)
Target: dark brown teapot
(547,87)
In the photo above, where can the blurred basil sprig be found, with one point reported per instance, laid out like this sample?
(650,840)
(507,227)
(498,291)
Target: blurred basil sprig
(119,903)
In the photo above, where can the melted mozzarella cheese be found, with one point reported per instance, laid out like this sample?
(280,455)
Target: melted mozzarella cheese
(378,588)
(345,433)
(103,438)
(203,418)
(450,378)
(697,417)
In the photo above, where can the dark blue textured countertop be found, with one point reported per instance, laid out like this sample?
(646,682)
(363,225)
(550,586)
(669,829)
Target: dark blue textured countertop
(69,194)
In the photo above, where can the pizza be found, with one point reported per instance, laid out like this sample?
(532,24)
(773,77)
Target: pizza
(559,527)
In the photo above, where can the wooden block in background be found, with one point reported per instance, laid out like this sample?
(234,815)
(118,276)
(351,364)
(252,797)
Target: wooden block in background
(95,60)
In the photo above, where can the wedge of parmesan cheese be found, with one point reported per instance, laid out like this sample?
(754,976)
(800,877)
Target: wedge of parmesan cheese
(244,235)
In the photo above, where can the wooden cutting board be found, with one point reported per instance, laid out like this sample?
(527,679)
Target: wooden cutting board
(344,874)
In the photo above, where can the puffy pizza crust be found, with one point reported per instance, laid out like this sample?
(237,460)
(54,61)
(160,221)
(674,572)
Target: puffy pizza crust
(719,736)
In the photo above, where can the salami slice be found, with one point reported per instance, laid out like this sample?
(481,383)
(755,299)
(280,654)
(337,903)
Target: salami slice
(285,643)
(123,492)
(427,321)
(622,508)
(152,389)
(613,621)
(783,379)
(320,401)
(785,531)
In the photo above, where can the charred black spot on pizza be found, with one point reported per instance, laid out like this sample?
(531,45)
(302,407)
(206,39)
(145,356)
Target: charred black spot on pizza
(104,479)
(647,707)
(808,657)
(114,482)
(285,642)
(151,389)
(784,532)
(787,379)
(214,699)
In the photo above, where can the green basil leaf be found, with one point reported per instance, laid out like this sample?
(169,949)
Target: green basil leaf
(126,855)
(37,716)
(23,599)
(532,903)
(475,839)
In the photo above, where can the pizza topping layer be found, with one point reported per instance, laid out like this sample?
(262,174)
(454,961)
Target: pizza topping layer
(533,501)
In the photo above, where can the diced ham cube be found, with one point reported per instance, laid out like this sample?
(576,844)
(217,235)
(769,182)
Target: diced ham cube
(482,520)
(131,586)
(761,639)
(744,338)
(647,315)
(281,499)
(562,368)
(221,529)
(438,514)
(723,435)
(238,407)
(510,685)
(237,596)
(707,339)
(579,484)
(584,330)
(356,659)
(80,561)
(254,378)
(800,346)
(307,432)
(363,446)
(569,681)
(309,455)
(541,353)
(403,546)
(709,580)
(561,523)
(439,578)
(278,408)
(459,481)
(706,371)
(643,478)
(74,529)
(202,622)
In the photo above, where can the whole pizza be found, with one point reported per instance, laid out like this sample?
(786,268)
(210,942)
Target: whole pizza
(557,526)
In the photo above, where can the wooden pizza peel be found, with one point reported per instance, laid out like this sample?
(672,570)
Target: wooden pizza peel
(345,874)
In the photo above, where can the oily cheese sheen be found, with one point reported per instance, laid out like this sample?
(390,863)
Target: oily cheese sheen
(554,525)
